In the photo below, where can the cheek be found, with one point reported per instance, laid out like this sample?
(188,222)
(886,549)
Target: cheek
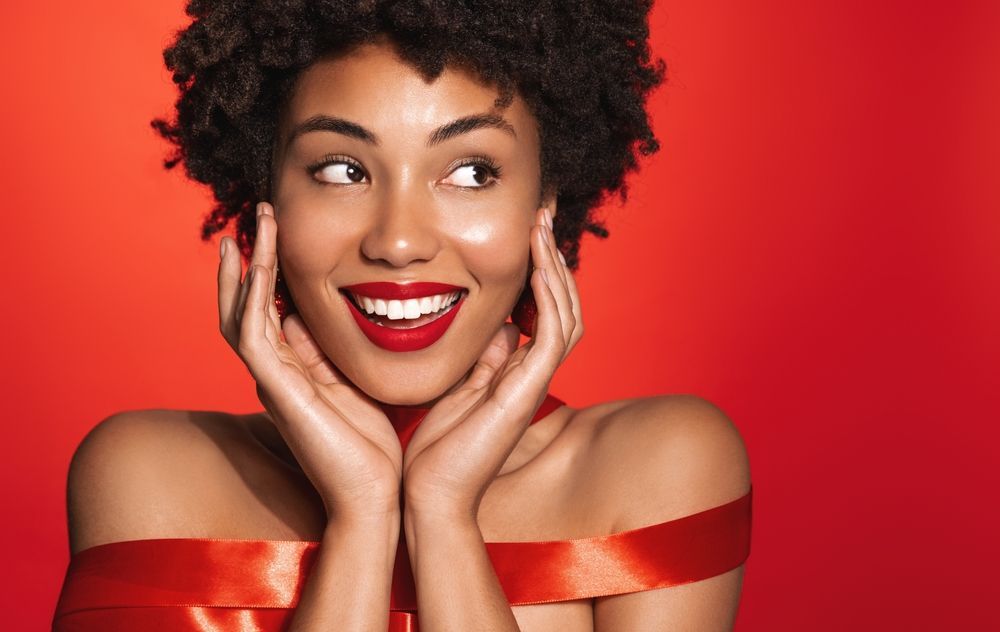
(497,253)
(311,237)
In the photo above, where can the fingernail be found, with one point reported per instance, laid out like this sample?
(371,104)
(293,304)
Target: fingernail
(250,274)
(260,208)
(545,276)
(223,248)
(548,217)
(561,257)
(545,237)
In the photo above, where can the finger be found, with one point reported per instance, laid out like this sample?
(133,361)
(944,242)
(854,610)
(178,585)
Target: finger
(503,344)
(241,302)
(312,357)
(574,295)
(529,378)
(272,327)
(266,248)
(229,288)
(256,258)
(559,263)
(254,347)
(257,332)
(570,285)
(264,251)
(553,246)
(239,311)
(549,343)
(273,318)
(545,258)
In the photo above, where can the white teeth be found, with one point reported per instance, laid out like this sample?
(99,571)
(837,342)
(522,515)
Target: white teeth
(406,309)
(411,308)
(395,310)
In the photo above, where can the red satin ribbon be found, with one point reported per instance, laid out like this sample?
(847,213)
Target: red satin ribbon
(202,584)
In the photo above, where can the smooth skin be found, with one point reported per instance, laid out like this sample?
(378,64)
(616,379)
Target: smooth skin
(324,463)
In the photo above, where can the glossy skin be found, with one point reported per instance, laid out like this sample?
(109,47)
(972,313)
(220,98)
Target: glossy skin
(400,205)
(410,220)
(405,210)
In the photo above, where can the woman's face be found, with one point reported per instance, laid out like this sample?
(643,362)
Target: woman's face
(382,178)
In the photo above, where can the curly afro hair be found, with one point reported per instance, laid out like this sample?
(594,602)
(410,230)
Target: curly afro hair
(582,66)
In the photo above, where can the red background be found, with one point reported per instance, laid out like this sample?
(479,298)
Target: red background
(814,250)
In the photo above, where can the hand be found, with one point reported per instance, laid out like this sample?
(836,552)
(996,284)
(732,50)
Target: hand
(465,439)
(340,437)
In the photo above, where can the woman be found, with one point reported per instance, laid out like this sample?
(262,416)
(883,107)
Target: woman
(415,172)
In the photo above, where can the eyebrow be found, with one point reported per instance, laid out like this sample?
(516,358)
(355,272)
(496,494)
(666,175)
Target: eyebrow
(464,125)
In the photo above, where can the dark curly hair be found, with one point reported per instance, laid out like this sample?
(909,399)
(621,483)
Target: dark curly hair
(582,66)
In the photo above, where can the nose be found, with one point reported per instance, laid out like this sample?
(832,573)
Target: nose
(403,230)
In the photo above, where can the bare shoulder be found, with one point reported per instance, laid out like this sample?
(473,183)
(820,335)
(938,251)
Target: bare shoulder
(147,474)
(664,457)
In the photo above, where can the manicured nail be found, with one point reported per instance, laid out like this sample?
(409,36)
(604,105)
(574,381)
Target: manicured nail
(223,248)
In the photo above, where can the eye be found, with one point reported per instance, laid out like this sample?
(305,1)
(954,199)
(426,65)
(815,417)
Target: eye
(338,170)
(477,173)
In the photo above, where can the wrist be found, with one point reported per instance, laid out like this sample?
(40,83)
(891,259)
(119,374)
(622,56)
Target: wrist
(439,506)
(430,534)
(438,516)
(378,537)
(367,518)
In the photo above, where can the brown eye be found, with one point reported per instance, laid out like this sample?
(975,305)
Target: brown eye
(473,176)
(340,173)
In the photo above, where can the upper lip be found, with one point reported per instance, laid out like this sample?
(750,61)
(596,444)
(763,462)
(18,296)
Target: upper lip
(388,290)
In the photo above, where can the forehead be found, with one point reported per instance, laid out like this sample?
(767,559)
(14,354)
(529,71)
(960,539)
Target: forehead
(373,86)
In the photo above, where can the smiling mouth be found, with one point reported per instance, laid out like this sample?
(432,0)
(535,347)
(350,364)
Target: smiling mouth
(404,313)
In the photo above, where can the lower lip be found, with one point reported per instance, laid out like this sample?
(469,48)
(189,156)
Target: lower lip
(413,339)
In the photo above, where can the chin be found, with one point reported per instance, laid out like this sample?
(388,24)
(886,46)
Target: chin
(408,386)
(403,379)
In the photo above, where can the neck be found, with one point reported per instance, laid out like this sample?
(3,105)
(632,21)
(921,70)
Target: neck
(404,419)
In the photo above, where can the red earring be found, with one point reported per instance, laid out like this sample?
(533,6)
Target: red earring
(525,311)
(282,299)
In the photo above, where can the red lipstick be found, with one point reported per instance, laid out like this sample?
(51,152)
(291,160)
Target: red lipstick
(396,339)
(400,291)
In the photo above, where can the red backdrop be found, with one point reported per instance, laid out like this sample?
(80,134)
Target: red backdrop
(814,250)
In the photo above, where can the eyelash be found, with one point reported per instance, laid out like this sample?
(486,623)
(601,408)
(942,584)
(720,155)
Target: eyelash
(486,162)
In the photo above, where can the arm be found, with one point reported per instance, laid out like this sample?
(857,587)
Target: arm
(124,484)
(348,586)
(338,435)
(686,457)
(463,442)
(448,554)
(708,605)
